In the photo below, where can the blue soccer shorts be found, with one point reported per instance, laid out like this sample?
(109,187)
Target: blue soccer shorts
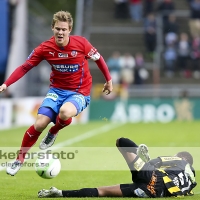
(55,98)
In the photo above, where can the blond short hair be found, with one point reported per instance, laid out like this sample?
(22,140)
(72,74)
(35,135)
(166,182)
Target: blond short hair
(63,16)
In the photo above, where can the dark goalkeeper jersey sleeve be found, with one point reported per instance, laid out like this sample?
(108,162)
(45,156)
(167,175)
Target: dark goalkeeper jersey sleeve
(165,161)
(178,174)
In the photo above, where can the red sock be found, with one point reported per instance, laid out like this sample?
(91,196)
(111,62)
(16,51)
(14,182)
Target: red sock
(29,139)
(60,124)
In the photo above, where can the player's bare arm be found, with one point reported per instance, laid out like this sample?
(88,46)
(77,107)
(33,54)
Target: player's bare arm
(108,87)
(3,87)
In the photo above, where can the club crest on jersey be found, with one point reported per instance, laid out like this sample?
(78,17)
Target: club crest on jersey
(74,53)
(62,55)
(66,67)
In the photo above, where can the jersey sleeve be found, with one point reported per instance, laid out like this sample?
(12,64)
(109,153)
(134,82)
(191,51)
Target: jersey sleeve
(156,162)
(33,60)
(18,73)
(91,52)
(104,68)
(36,56)
(169,161)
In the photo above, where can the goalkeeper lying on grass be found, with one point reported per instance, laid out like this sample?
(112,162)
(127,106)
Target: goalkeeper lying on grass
(165,176)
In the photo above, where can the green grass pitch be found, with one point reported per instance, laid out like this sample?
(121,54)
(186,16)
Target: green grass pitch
(26,184)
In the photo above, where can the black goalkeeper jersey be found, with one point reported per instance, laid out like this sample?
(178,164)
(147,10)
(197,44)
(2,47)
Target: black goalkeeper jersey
(177,175)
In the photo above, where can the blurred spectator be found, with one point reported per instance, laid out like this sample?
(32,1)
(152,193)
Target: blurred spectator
(121,9)
(171,26)
(171,31)
(184,107)
(150,33)
(171,38)
(195,56)
(140,73)
(183,50)
(113,63)
(165,7)
(170,57)
(127,62)
(194,22)
(136,10)
(148,7)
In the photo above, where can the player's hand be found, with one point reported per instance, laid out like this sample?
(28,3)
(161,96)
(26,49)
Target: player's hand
(190,173)
(3,87)
(108,87)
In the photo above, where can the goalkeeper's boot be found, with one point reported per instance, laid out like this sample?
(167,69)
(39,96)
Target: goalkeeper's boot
(48,141)
(52,192)
(14,168)
(143,152)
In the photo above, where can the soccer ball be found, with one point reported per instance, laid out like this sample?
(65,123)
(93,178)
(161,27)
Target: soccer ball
(47,166)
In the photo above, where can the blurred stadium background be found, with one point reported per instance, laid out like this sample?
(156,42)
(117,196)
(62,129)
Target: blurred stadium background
(161,110)
(152,95)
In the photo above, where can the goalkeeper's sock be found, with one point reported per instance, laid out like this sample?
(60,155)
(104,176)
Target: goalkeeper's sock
(29,139)
(128,145)
(85,192)
(60,124)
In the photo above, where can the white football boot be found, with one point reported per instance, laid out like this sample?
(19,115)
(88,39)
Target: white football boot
(143,152)
(14,168)
(52,192)
(48,141)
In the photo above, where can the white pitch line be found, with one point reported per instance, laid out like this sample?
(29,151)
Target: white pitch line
(82,137)
(87,135)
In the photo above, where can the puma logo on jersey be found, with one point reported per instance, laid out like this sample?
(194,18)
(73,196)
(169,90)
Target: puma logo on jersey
(52,53)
